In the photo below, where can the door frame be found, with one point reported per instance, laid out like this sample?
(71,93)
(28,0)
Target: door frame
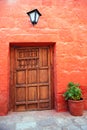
(12,67)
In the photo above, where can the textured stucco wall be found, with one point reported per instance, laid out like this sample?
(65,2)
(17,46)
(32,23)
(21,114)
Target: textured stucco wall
(63,22)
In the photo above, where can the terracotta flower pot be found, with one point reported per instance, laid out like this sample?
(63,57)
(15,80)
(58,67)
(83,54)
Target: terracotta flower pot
(76,107)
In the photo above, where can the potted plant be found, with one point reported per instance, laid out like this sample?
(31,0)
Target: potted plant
(73,95)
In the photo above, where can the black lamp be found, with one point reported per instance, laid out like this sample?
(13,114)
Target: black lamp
(34,16)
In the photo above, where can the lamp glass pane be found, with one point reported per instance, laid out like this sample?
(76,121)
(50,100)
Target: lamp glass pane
(37,17)
(32,16)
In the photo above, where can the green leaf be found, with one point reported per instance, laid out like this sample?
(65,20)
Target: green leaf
(73,91)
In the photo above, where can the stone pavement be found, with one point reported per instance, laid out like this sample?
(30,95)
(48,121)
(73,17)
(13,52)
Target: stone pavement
(43,120)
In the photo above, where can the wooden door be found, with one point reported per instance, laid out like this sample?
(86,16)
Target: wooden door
(31,86)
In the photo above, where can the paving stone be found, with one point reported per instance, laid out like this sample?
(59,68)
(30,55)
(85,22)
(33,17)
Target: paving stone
(84,127)
(46,122)
(25,125)
(63,121)
(7,127)
(64,128)
(43,120)
(31,129)
(81,121)
(28,118)
(72,127)
(50,128)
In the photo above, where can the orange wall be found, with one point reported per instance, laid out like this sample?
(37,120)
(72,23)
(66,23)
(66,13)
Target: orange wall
(63,22)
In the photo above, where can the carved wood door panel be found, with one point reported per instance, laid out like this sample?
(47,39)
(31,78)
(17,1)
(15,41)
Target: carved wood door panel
(31,82)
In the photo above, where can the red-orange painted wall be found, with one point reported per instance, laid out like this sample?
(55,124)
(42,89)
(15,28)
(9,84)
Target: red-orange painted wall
(63,22)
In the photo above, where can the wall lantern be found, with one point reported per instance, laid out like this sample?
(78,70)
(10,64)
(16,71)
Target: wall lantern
(34,16)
